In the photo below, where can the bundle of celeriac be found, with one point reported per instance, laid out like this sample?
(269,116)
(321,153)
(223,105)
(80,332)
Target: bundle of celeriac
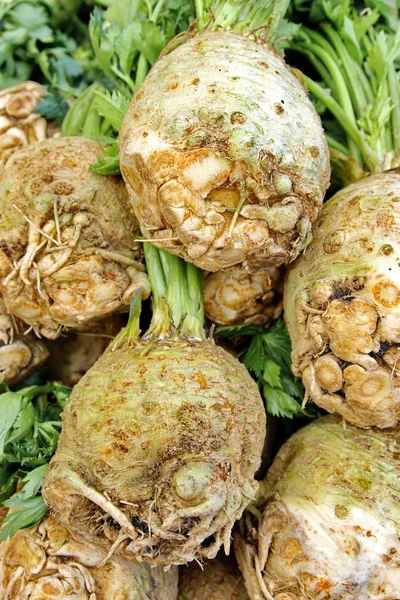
(342,297)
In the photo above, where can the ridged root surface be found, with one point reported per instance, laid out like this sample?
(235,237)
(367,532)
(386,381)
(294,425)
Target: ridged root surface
(21,353)
(224,155)
(219,579)
(68,253)
(327,523)
(158,450)
(237,295)
(19,124)
(47,562)
(342,304)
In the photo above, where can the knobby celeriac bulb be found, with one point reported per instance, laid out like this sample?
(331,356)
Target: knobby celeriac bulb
(163,436)
(19,124)
(158,450)
(47,562)
(69,254)
(236,295)
(224,155)
(342,304)
(326,524)
(219,579)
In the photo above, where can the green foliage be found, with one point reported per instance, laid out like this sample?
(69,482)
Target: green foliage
(53,107)
(352,71)
(127,39)
(29,431)
(44,40)
(262,18)
(266,355)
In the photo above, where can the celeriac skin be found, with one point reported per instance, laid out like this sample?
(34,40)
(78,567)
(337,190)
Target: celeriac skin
(342,304)
(235,296)
(21,357)
(21,353)
(176,429)
(224,155)
(326,523)
(68,254)
(19,124)
(47,562)
(219,579)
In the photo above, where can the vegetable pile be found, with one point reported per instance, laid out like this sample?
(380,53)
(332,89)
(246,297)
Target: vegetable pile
(199,260)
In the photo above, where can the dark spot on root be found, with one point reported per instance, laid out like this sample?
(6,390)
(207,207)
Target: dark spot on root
(262,63)
(145,134)
(196,81)
(314,151)
(279,108)
(62,188)
(238,118)
(384,347)
(208,542)
(174,86)
(136,522)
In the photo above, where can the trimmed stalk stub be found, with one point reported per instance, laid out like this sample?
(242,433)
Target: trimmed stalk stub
(327,521)
(47,561)
(160,443)
(342,304)
(224,157)
(69,255)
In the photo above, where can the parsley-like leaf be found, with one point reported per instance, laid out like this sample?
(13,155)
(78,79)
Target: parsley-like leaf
(28,513)
(29,432)
(53,107)
(266,355)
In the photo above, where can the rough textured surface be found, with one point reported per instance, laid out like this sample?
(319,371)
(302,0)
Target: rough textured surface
(19,125)
(236,295)
(20,353)
(342,304)
(47,563)
(176,432)
(21,357)
(72,355)
(68,254)
(224,155)
(219,579)
(329,518)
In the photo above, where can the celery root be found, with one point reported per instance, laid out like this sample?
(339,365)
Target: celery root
(68,253)
(162,437)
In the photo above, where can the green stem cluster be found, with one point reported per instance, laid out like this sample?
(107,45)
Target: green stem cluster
(179,285)
(243,16)
(359,88)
